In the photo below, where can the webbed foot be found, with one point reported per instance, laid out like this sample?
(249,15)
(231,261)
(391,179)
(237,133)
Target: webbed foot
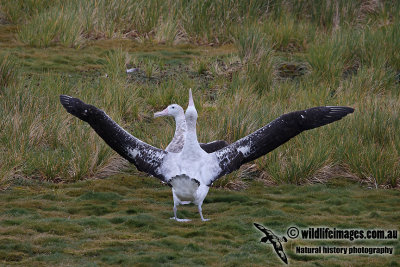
(180,220)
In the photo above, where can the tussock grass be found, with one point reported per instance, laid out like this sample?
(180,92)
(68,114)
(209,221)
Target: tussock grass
(8,71)
(255,52)
(20,10)
(375,156)
(206,21)
(167,31)
(115,63)
(56,25)
(40,143)
(275,59)
(232,128)
(250,42)
(289,34)
(326,57)
(296,163)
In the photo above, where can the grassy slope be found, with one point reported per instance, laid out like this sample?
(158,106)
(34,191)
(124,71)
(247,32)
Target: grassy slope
(125,220)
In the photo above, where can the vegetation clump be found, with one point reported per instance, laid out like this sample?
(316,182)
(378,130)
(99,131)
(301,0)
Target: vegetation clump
(248,63)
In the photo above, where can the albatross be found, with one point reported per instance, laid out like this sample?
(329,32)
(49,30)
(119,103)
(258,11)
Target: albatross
(192,171)
(178,140)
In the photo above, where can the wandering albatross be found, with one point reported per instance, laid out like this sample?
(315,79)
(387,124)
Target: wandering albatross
(192,171)
(178,140)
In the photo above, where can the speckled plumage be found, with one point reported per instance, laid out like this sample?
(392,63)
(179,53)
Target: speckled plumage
(178,140)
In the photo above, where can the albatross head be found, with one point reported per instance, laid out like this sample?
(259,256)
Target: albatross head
(173,110)
(191,113)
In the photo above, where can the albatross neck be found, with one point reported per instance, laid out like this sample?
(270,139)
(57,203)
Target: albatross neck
(180,123)
(177,142)
(191,143)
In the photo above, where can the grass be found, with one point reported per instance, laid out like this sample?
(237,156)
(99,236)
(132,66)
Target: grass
(8,71)
(123,221)
(247,63)
(115,63)
(239,87)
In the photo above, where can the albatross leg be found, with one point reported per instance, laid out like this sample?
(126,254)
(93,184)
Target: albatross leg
(176,217)
(201,213)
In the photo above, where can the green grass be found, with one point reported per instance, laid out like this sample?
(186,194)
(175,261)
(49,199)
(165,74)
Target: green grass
(247,63)
(134,226)
(238,87)
(8,71)
(115,63)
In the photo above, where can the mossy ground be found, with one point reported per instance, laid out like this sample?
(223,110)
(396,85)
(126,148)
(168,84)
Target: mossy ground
(124,220)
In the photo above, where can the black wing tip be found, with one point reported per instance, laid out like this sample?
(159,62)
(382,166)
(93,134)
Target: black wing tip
(75,106)
(65,100)
(68,102)
(338,112)
(259,226)
(320,116)
(341,109)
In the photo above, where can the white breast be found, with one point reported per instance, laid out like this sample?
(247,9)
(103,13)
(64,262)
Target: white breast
(203,167)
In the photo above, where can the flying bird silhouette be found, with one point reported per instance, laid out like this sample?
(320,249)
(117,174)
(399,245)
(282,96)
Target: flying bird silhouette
(275,241)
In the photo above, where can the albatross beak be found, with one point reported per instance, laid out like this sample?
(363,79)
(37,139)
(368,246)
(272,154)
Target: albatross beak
(190,98)
(161,113)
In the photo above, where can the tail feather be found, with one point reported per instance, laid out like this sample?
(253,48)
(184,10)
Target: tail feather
(184,186)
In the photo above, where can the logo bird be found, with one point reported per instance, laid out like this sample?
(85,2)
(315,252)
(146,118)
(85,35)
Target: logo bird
(275,241)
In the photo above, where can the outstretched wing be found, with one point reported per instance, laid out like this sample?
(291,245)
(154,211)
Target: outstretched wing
(145,157)
(279,250)
(213,146)
(261,228)
(275,241)
(274,134)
